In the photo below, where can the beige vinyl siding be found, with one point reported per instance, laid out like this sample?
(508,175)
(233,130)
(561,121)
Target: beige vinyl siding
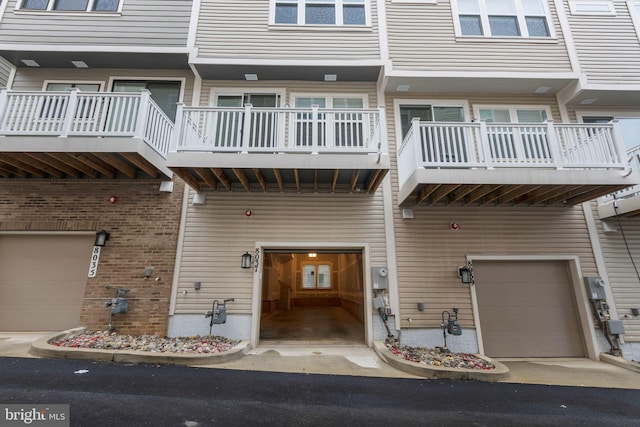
(5,72)
(33,79)
(607,46)
(240,29)
(142,23)
(624,282)
(429,253)
(218,233)
(422,37)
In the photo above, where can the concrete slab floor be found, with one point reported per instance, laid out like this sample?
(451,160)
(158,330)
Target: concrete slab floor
(17,344)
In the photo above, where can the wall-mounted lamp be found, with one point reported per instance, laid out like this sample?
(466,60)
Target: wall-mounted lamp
(197,286)
(148,272)
(246,260)
(465,273)
(101,238)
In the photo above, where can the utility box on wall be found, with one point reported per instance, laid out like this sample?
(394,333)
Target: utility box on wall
(595,288)
(379,276)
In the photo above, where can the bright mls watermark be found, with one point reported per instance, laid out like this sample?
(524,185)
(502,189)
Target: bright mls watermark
(34,415)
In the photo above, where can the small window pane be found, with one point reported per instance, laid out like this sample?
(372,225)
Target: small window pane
(35,4)
(309,102)
(320,14)
(501,7)
(448,114)
(537,26)
(286,14)
(354,15)
(504,26)
(324,276)
(533,7)
(347,102)
(495,116)
(531,116)
(470,25)
(468,7)
(308,276)
(88,87)
(71,4)
(106,5)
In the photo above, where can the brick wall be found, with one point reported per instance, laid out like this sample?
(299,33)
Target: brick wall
(144,226)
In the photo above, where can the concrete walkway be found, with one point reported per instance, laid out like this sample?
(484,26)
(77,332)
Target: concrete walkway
(359,360)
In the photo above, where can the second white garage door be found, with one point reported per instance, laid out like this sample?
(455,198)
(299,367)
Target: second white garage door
(42,281)
(527,309)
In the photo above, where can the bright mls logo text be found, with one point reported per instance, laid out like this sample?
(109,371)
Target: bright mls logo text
(50,415)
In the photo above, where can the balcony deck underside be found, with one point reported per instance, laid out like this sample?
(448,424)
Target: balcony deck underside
(546,187)
(281,172)
(627,206)
(79,157)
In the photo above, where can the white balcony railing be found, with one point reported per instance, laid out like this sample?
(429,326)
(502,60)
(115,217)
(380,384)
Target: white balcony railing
(75,113)
(633,156)
(278,130)
(510,145)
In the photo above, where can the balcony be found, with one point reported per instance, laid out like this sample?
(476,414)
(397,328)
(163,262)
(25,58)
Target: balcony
(625,202)
(510,164)
(82,135)
(280,149)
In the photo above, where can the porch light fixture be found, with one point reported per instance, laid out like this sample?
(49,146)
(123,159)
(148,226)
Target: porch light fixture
(79,64)
(101,238)
(402,88)
(465,273)
(588,101)
(542,89)
(312,255)
(251,77)
(246,260)
(330,77)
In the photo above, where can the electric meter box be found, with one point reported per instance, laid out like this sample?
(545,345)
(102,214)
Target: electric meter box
(595,288)
(380,278)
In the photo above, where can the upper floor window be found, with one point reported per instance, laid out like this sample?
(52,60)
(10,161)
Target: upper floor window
(320,12)
(72,5)
(502,18)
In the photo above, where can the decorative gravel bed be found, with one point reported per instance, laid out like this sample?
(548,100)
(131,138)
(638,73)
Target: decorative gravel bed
(438,357)
(114,341)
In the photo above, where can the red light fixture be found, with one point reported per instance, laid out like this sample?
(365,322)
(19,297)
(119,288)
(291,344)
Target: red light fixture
(113,199)
(248,213)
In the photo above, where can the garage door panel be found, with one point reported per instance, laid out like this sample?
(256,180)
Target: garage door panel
(527,309)
(42,281)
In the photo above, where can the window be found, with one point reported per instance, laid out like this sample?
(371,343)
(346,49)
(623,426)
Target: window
(164,93)
(629,127)
(55,106)
(72,5)
(508,142)
(349,126)
(320,12)
(502,18)
(316,276)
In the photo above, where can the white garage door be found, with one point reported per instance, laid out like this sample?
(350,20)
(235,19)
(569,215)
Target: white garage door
(527,309)
(42,281)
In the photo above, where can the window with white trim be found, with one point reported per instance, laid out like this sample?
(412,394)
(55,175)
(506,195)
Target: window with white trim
(316,276)
(320,12)
(72,5)
(502,18)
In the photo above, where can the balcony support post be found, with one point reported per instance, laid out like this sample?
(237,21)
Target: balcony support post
(70,113)
(485,148)
(381,131)
(143,113)
(4,101)
(554,145)
(314,128)
(618,144)
(177,129)
(246,128)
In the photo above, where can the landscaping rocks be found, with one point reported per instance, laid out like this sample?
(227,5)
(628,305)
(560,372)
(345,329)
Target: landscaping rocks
(154,344)
(438,357)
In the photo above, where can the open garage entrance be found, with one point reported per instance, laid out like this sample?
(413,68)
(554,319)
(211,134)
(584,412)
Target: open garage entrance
(312,296)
